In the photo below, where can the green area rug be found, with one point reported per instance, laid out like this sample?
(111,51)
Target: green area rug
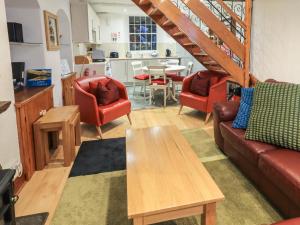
(101,199)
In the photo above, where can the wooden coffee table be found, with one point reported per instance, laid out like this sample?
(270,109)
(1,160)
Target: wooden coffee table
(165,178)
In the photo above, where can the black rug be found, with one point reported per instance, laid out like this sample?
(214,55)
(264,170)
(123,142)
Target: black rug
(100,156)
(35,219)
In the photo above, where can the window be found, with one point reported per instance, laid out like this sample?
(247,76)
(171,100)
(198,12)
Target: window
(142,33)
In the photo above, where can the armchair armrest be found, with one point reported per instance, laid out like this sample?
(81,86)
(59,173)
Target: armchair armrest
(88,106)
(187,82)
(217,93)
(122,89)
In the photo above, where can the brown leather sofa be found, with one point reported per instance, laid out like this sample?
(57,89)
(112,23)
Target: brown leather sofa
(274,170)
(295,221)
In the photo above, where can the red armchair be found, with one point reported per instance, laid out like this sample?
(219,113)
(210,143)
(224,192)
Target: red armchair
(91,112)
(217,93)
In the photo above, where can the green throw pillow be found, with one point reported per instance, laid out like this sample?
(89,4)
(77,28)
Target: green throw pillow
(275,116)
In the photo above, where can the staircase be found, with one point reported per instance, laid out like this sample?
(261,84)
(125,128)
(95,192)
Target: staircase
(220,42)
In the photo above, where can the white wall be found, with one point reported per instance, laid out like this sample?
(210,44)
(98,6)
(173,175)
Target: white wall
(52,58)
(9,150)
(111,22)
(275,51)
(34,31)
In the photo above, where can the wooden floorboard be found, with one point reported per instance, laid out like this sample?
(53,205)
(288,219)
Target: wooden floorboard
(42,193)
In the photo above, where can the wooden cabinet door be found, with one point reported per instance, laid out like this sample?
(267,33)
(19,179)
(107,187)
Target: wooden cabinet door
(27,114)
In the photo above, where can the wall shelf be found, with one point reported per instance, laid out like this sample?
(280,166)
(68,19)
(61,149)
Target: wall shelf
(4,106)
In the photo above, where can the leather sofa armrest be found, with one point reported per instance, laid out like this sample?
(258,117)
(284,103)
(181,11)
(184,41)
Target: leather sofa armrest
(226,111)
(223,112)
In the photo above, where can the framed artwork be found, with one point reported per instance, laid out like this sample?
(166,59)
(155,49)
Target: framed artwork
(52,31)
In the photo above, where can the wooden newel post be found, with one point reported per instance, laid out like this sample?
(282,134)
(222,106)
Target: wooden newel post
(248,21)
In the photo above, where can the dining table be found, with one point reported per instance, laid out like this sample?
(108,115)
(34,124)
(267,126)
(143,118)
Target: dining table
(170,69)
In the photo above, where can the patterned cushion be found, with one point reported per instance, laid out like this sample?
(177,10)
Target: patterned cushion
(275,116)
(242,118)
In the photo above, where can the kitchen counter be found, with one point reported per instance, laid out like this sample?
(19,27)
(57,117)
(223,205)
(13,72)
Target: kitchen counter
(143,58)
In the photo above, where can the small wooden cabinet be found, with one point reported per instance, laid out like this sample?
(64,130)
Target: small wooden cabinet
(30,104)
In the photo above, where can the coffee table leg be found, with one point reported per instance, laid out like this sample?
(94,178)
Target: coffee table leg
(209,214)
(138,221)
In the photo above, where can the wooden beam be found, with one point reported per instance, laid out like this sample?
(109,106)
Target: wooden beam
(248,19)
(201,11)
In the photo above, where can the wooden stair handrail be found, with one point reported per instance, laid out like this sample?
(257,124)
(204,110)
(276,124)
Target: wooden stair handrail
(232,14)
(202,12)
(198,37)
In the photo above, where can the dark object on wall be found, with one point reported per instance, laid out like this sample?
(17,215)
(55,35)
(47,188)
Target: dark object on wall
(168,53)
(15,32)
(18,69)
(114,55)
(3,107)
(7,198)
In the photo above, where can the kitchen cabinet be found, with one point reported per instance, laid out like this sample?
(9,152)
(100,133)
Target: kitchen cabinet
(121,68)
(85,22)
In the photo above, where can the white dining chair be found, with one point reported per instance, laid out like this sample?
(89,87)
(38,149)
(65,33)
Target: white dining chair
(158,81)
(177,79)
(189,70)
(139,78)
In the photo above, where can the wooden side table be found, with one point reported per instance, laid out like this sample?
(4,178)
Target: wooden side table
(65,119)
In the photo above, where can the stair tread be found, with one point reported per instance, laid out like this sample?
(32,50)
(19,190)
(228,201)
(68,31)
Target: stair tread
(178,34)
(167,23)
(189,44)
(144,2)
(154,11)
(199,54)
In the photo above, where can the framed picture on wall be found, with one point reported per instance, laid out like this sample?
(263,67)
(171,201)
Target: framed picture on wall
(52,31)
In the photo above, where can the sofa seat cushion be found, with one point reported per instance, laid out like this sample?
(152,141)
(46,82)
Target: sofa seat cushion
(251,150)
(114,110)
(282,167)
(194,101)
(295,221)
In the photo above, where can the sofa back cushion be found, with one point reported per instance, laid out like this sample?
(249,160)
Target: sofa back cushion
(200,85)
(93,85)
(107,93)
(84,82)
(275,115)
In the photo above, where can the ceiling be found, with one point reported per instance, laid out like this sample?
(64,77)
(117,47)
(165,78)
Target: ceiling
(126,7)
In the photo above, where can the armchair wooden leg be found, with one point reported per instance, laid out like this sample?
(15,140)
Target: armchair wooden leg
(129,118)
(207,118)
(99,132)
(180,109)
